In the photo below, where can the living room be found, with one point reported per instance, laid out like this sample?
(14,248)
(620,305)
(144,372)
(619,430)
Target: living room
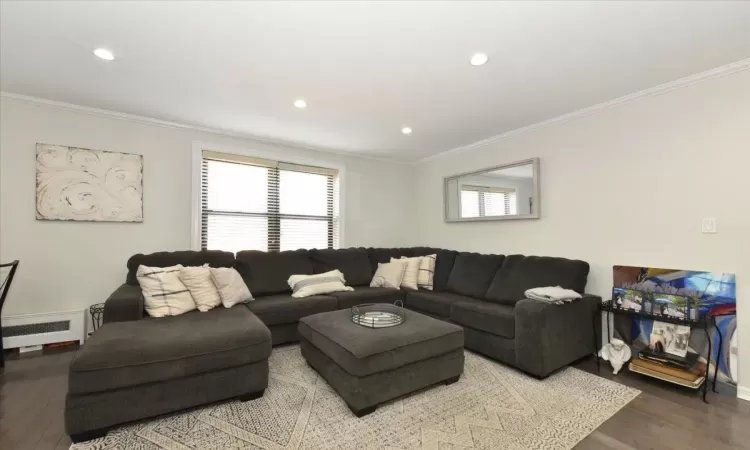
(630,116)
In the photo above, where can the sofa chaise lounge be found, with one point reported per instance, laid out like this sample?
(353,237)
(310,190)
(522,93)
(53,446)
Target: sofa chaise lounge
(136,367)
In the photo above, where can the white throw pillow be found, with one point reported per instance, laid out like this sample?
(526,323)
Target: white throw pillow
(322,283)
(412,271)
(198,281)
(232,288)
(426,277)
(163,292)
(389,274)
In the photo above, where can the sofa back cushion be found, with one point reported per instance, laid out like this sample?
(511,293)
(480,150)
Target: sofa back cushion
(384,255)
(443,267)
(266,273)
(472,273)
(354,263)
(443,264)
(214,258)
(520,273)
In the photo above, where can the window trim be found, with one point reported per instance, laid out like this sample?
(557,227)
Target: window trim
(270,153)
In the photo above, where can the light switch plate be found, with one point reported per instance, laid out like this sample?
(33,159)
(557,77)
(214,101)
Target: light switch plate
(708,225)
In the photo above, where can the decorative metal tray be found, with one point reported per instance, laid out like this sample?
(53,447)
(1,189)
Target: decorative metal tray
(379,315)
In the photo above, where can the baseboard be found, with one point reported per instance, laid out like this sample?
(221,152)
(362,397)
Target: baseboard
(743,393)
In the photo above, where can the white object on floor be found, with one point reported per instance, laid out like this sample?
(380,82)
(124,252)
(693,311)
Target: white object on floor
(617,353)
(30,348)
(552,294)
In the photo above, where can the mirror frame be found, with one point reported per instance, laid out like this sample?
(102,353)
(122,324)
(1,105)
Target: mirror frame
(536,207)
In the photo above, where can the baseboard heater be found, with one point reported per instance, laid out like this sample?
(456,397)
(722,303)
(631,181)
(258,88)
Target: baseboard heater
(46,328)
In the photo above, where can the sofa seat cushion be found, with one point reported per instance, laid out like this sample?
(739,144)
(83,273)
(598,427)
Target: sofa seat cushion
(283,309)
(520,273)
(485,316)
(362,351)
(266,273)
(124,354)
(354,263)
(366,294)
(435,303)
(472,273)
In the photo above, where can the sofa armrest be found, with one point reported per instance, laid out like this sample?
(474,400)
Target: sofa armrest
(125,303)
(550,336)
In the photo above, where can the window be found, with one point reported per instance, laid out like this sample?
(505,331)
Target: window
(257,204)
(483,201)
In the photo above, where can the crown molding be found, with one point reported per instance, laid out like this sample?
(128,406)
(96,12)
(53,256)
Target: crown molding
(721,71)
(183,126)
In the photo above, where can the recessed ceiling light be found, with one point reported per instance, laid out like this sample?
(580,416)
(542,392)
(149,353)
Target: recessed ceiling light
(104,54)
(478,59)
(406,130)
(301,104)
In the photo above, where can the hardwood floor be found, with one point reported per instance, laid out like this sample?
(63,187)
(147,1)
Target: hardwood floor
(32,395)
(665,416)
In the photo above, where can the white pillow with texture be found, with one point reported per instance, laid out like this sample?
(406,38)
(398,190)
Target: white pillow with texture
(426,277)
(163,292)
(389,274)
(322,283)
(232,288)
(198,281)
(411,273)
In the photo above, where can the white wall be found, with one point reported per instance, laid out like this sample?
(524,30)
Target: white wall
(627,185)
(67,265)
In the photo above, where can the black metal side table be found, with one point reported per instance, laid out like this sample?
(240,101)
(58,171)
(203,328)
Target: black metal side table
(97,315)
(702,323)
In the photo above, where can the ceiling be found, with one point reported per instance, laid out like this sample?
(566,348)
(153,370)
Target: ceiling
(366,69)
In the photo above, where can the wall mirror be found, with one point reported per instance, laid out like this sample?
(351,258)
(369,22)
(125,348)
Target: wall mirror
(510,191)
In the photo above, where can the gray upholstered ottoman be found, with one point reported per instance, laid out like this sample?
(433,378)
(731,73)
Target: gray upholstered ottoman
(369,366)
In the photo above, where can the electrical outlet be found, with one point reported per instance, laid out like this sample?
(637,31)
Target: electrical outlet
(709,225)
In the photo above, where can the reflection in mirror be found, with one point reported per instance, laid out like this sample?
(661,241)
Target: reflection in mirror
(506,192)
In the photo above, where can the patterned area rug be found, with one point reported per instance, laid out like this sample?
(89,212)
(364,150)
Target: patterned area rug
(490,407)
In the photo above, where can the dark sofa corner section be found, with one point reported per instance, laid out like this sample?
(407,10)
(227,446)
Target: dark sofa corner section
(354,263)
(484,294)
(267,273)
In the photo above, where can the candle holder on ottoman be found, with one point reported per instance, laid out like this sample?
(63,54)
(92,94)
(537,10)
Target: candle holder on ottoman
(368,366)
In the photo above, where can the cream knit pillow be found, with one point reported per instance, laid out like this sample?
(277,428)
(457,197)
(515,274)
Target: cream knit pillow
(198,281)
(412,271)
(322,283)
(232,288)
(163,292)
(389,274)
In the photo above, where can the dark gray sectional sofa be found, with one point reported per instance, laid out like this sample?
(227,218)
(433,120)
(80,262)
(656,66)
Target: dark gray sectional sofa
(136,367)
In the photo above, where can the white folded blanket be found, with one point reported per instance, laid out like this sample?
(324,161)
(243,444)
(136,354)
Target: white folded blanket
(552,294)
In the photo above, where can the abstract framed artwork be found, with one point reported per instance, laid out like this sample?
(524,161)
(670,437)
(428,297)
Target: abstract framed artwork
(87,185)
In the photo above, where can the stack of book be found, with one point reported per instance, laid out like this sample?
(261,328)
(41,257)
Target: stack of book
(685,371)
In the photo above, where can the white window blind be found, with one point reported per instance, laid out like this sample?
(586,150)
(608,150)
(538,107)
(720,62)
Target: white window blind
(482,201)
(257,204)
